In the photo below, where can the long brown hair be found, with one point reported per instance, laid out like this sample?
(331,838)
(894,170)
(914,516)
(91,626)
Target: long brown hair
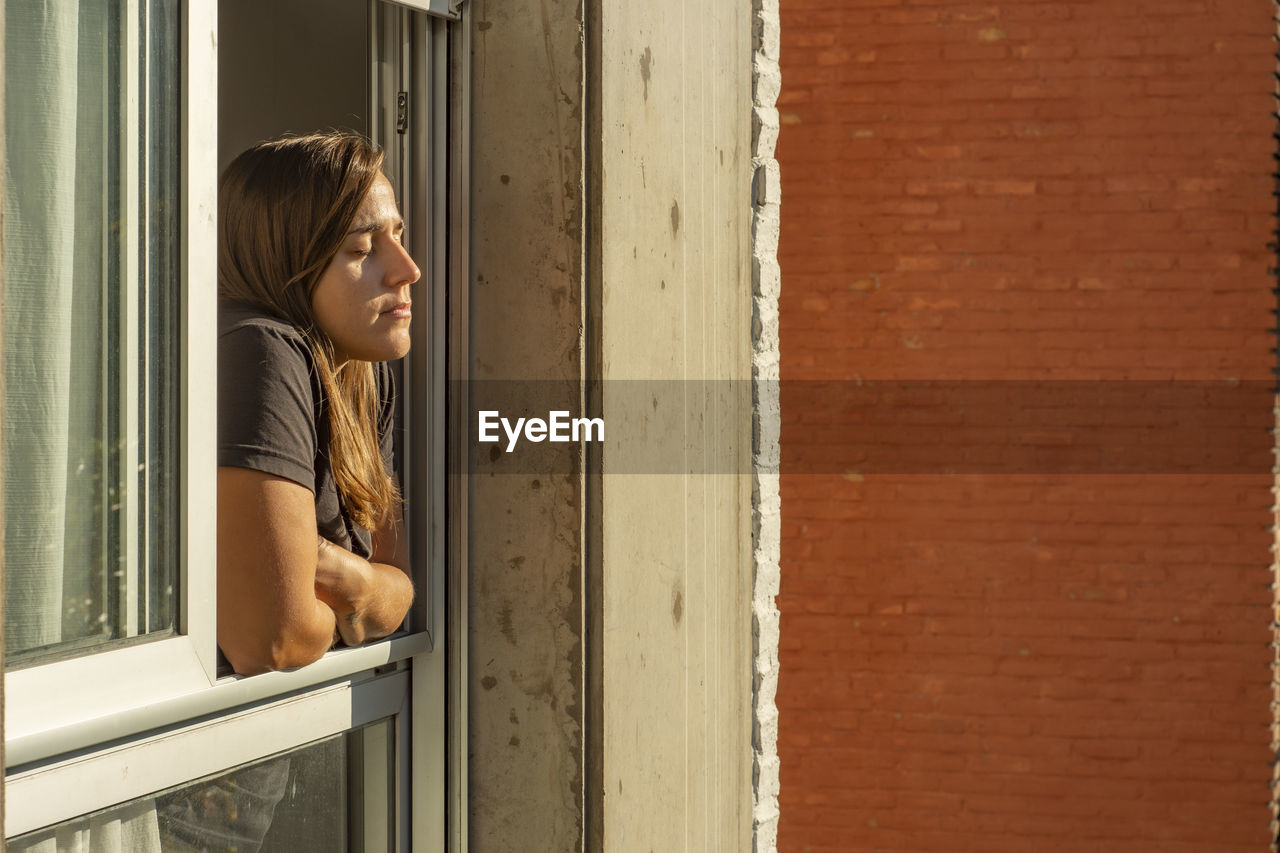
(284,209)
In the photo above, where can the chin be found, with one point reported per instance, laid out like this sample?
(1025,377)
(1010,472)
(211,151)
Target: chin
(393,350)
(381,351)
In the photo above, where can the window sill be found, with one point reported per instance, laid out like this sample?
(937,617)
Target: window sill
(229,692)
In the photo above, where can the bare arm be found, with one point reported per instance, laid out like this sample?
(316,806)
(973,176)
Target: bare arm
(269,617)
(370,597)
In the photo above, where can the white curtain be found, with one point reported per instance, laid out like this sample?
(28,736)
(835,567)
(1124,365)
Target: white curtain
(129,829)
(58,236)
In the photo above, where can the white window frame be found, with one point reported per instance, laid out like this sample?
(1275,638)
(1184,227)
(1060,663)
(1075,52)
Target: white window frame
(128,694)
(151,671)
(48,795)
(442,8)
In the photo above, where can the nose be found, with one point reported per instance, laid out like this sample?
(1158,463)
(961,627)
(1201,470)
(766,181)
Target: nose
(402,270)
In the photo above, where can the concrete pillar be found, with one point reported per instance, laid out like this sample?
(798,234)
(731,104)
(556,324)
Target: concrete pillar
(525,566)
(671,299)
(610,584)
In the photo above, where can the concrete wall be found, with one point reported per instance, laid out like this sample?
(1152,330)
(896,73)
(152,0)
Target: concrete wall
(672,579)
(609,638)
(610,601)
(525,609)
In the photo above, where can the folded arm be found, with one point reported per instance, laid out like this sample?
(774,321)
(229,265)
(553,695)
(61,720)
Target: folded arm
(369,597)
(269,617)
(285,594)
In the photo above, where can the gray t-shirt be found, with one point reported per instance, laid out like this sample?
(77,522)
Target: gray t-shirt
(272,415)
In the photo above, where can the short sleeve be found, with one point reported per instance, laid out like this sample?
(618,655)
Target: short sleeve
(266,404)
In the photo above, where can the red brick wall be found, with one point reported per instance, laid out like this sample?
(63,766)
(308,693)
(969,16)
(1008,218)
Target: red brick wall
(1024,655)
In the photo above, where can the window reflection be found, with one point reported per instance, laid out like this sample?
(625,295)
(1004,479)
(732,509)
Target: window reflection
(90,261)
(332,796)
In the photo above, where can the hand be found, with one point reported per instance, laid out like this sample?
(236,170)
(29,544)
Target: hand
(344,583)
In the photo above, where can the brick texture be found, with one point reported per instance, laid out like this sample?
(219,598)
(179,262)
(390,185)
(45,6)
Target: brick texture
(994,656)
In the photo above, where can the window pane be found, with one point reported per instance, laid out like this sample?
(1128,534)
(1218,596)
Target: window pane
(91,288)
(334,796)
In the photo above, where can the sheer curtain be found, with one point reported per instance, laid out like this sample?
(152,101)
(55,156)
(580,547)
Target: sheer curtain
(61,242)
(132,828)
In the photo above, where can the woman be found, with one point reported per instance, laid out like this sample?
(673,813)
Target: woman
(314,297)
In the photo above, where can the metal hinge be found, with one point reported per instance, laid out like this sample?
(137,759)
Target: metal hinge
(402,112)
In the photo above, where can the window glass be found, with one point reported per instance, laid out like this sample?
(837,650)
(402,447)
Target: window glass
(333,796)
(91,282)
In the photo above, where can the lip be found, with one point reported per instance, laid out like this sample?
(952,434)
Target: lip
(402,310)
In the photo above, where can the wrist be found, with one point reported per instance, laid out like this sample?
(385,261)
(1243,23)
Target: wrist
(345,583)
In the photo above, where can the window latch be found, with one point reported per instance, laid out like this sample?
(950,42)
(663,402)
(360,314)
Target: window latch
(402,112)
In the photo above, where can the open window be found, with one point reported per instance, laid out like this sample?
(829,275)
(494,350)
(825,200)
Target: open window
(119,730)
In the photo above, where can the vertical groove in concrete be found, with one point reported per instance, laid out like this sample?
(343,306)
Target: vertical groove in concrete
(3,178)
(765,502)
(593,360)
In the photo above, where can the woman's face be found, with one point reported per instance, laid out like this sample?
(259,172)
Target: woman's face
(362,299)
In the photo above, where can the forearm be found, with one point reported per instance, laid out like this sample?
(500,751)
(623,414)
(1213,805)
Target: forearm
(307,639)
(369,599)
(298,640)
(386,608)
